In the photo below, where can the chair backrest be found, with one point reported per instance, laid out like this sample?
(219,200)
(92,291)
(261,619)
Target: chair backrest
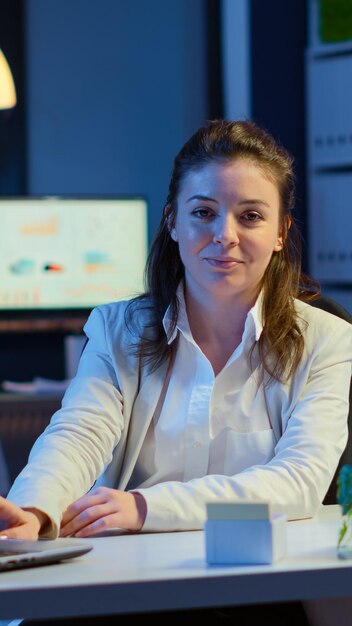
(329,305)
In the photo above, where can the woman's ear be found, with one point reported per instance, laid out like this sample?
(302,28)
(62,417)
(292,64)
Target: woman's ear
(170,222)
(283,234)
(279,244)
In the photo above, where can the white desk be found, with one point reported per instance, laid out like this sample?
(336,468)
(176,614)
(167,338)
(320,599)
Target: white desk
(167,571)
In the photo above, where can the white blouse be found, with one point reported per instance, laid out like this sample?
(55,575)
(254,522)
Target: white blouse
(207,424)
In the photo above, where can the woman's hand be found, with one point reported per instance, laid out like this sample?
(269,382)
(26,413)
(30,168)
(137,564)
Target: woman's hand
(15,523)
(101,509)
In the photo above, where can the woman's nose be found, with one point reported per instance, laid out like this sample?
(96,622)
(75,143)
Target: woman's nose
(226,232)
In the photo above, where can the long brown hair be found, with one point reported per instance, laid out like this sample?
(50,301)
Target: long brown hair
(281,343)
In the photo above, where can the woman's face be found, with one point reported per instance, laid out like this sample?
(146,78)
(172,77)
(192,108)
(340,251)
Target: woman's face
(227,227)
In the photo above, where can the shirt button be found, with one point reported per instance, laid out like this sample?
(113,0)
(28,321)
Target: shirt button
(197,444)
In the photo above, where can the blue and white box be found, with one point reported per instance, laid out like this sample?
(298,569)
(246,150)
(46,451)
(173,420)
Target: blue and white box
(244,533)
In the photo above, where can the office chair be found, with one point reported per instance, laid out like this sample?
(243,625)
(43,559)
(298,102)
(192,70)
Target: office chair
(329,305)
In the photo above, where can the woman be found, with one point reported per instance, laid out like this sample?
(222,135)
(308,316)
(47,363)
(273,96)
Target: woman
(219,382)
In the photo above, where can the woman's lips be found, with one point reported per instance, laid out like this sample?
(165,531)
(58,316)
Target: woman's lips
(223,262)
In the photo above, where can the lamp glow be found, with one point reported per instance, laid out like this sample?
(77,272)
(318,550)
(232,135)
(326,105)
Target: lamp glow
(7,86)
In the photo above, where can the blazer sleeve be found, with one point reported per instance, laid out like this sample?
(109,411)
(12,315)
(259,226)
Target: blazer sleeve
(78,443)
(296,479)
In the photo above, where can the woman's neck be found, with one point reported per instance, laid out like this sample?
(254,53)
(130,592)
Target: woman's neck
(216,327)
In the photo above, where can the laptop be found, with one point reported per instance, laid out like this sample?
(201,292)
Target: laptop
(17,553)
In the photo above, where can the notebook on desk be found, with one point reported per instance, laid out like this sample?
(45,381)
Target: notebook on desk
(17,553)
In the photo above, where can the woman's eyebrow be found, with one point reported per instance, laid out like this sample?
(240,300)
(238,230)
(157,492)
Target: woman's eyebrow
(255,201)
(201,197)
(242,202)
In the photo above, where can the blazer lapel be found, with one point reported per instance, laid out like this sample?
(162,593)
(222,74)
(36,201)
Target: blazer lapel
(148,400)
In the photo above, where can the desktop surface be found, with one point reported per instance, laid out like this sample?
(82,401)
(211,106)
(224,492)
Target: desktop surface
(166,571)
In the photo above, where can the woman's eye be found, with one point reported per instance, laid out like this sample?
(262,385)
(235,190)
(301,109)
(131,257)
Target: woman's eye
(203,213)
(252,216)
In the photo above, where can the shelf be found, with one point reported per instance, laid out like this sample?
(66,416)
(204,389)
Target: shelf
(329,49)
(333,168)
(60,325)
(28,399)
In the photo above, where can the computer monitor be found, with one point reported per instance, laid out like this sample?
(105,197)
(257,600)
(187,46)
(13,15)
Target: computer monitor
(65,254)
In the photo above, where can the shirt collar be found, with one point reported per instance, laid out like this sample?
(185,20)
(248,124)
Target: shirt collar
(256,315)
(182,319)
(253,324)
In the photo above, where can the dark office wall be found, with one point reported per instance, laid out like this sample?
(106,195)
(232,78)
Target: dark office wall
(114,87)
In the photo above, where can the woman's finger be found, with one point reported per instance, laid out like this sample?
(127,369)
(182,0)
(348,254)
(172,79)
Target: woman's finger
(89,500)
(101,524)
(10,514)
(86,518)
(19,532)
